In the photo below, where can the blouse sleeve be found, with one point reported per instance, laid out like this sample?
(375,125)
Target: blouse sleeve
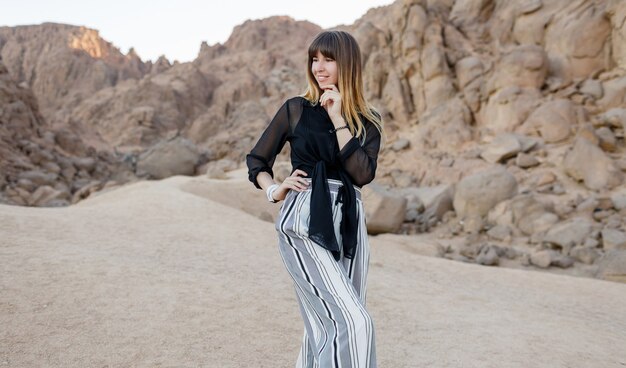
(262,156)
(360,161)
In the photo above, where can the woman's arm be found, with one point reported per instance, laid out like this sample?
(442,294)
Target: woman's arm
(343,135)
(261,157)
(360,162)
(293,182)
(264,180)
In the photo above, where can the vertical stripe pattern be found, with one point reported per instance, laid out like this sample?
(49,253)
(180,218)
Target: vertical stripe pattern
(331,294)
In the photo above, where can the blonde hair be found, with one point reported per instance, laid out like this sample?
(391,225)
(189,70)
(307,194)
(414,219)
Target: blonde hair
(343,48)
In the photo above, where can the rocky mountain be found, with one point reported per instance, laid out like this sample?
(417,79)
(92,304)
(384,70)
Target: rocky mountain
(228,90)
(64,64)
(507,124)
(505,119)
(40,166)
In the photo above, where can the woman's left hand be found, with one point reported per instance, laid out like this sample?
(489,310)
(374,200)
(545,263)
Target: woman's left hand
(331,101)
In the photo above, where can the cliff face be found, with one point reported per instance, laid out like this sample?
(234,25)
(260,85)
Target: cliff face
(435,51)
(452,74)
(260,64)
(20,120)
(38,165)
(65,64)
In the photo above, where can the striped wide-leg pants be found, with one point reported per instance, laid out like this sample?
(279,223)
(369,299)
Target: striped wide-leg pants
(338,329)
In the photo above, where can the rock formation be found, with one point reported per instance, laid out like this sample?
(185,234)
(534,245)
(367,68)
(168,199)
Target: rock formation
(65,64)
(505,121)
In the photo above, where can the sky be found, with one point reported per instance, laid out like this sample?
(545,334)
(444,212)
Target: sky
(175,28)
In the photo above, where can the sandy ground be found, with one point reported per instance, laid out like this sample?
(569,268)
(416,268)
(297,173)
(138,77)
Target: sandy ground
(149,275)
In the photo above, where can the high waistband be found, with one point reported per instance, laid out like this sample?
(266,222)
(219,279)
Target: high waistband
(334,185)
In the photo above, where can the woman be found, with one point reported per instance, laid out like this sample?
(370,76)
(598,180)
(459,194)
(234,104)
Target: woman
(335,137)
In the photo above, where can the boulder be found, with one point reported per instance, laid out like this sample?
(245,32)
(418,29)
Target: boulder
(553,120)
(500,232)
(217,169)
(178,156)
(619,199)
(563,261)
(400,144)
(430,203)
(51,167)
(84,163)
(384,210)
(48,196)
(39,155)
(69,141)
(487,256)
(470,16)
(588,163)
(585,254)
(588,132)
(413,207)
(615,117)
(504,146)
(446,127)
(614,93)
(613,239)
(473,224)
(438,84)
(543,258)
(525,160)
(524,66)
(593,88)
(38,178)
(574,53)
(612,266)
(508,108)
(26,184)
(607,140)
(401,179)
(530,22)
(528,143)
(548,257)
(587,206)
(525,213)
(86,190)
(469,71)
(476,194)
(532,216)
(544,178)
(569,233)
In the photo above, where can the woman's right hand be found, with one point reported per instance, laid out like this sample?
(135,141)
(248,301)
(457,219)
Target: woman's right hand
(294,181)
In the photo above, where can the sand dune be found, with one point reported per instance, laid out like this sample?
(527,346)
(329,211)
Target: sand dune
(151,275)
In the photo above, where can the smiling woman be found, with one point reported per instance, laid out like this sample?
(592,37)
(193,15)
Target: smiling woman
(335,137)
(324,69)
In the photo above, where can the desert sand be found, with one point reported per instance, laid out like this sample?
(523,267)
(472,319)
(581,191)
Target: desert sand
(153,275)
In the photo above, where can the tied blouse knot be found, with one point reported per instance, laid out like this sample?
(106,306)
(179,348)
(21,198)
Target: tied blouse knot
(314,149)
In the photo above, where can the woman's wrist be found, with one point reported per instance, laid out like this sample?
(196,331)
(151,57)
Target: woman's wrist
(270,192)
(338,122)
(339,128)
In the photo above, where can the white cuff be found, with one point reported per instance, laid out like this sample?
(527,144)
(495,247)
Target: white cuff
(270,191)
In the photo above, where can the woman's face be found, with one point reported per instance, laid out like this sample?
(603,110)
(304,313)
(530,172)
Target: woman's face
(324,70)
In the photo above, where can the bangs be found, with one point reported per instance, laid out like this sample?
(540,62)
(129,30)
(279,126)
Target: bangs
(326,43)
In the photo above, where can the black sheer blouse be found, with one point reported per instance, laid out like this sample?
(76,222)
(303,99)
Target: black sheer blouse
(314,149)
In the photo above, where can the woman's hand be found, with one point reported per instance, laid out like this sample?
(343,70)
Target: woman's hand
(294,182)
(331,101)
